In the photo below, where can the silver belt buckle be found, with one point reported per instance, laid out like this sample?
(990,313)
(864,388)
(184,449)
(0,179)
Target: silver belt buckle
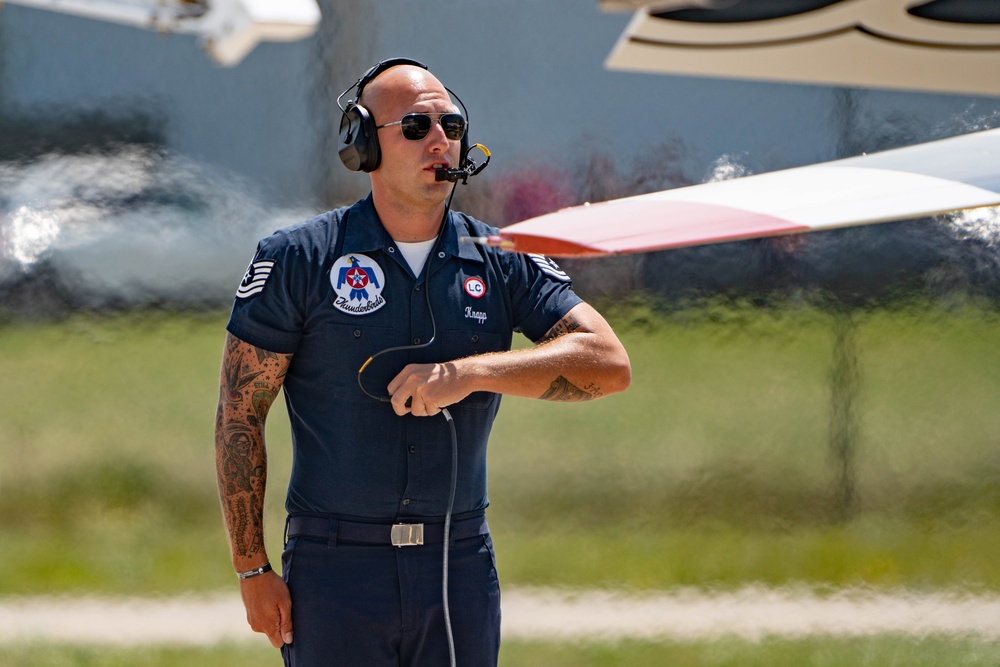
(407,534)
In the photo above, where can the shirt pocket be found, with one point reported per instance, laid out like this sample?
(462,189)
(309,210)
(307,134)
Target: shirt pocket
(460,344)
(339,351)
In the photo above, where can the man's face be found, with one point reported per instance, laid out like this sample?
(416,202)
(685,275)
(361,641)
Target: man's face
(407,170)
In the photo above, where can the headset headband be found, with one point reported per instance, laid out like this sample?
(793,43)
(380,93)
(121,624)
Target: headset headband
(373,72)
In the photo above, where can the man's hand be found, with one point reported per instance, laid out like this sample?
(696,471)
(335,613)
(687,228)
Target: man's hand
(269,607)
(423,389)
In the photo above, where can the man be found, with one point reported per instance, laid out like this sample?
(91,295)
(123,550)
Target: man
(387,287)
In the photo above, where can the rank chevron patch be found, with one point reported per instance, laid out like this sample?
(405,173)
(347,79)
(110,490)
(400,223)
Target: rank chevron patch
(255,278)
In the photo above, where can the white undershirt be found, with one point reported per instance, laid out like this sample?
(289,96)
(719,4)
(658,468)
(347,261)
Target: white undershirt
(416,254)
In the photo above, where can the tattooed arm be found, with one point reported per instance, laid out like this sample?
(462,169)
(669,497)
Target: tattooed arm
(579,359)
(251,379)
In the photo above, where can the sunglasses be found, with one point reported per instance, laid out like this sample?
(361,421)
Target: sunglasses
(415,126)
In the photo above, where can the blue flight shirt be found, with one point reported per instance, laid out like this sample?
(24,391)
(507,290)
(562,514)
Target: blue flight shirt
(334,291)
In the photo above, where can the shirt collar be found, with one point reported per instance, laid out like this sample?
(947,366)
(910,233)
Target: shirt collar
(365,233)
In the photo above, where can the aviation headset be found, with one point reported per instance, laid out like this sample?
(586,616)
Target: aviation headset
(358,143)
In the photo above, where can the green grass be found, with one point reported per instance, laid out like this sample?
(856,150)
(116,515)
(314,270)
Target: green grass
(882,651)
(879,651)
(712,470)
(59,655)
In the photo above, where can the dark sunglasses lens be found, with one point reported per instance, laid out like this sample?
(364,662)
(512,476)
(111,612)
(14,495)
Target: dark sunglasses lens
(454,126)
(416,126)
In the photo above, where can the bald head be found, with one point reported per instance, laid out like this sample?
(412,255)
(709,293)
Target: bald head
(392,93)
(406,191)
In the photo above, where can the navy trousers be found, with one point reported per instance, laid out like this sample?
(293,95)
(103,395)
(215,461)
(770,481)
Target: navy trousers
(373,606)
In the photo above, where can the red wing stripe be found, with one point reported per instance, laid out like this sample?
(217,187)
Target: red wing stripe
(928,179)
(651,225)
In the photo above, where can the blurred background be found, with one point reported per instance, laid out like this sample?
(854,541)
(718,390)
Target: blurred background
(815,411)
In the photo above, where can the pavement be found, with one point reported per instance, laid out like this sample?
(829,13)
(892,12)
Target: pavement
(750,613)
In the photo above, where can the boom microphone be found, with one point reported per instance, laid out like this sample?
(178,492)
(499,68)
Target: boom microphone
(452,175)
(463,174)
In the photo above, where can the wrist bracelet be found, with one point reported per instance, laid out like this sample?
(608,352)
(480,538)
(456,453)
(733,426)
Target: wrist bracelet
(256,572)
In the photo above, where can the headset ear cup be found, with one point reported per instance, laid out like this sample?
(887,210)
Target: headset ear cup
(359,149)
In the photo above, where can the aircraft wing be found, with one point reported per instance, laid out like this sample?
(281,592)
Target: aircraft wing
(926,179)
(948,46)
(228,29)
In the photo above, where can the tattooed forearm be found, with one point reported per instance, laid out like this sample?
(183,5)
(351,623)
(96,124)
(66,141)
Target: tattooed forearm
(241,463)
(245,525)
(563,390)
(250,381)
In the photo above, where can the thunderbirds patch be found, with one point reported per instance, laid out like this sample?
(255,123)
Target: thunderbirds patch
(358,282)
(255,278)
(549,267)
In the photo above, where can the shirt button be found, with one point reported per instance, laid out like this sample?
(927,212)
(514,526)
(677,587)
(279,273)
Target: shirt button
(475,339)
(416,341)
(406,501)
(417,288)
(413,449)
(441,254)
(357,333)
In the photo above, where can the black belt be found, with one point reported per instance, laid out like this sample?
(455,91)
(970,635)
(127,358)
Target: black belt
(402,534)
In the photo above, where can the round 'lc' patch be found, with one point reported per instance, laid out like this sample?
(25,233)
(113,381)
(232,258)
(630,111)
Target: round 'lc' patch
(475,287)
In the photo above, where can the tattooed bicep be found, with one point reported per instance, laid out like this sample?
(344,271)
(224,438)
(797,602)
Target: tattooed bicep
(264,355)
(247,369)
(568,324)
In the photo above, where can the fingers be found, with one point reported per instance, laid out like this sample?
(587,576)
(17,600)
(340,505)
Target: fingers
(269,607)
(423,390)
(401,402)
(426,410)
(282,632)
(406,390)
(402,387)
(286,626)
(404,403)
